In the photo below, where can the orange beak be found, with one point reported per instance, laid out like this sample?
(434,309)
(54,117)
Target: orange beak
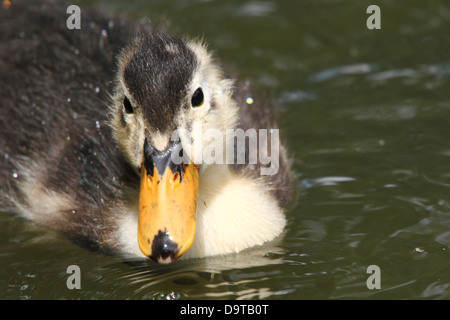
(167,206)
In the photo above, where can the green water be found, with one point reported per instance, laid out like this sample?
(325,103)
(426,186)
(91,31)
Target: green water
(366,117)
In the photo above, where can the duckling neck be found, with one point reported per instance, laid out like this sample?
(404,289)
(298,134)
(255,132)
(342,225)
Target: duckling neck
(234,212)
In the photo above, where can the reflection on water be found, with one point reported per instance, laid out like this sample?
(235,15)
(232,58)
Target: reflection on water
(366,117)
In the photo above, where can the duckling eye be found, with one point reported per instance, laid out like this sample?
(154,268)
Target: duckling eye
(127,105)
(197,98)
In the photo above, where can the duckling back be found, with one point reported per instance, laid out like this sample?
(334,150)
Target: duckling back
(56,151)
(256,114)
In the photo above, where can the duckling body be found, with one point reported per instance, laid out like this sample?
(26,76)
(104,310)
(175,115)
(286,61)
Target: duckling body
(54,138)
(62,166)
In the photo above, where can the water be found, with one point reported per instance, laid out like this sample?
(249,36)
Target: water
(366,117)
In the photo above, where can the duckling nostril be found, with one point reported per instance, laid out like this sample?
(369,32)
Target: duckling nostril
(176,178)
(164,250)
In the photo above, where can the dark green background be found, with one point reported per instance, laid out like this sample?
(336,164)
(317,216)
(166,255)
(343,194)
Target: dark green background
(366,117)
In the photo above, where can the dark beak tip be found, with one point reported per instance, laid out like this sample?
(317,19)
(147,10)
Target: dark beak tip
(164,250)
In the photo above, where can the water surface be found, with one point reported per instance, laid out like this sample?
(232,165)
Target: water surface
(366,117)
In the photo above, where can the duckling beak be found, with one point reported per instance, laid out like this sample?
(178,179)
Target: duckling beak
(167,205)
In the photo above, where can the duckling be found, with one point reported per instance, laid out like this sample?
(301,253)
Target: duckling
(87,148)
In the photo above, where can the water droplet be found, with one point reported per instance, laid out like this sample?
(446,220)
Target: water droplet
(7,4)
(97,89)
(168,296)
(68,99)
(6,156)
(249,100)
(15,175)
(97,124)
(173,296)
(111,24)
(74,212)
(104,33)
(77,52)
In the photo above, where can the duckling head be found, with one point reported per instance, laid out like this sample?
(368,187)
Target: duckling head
(168,94)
